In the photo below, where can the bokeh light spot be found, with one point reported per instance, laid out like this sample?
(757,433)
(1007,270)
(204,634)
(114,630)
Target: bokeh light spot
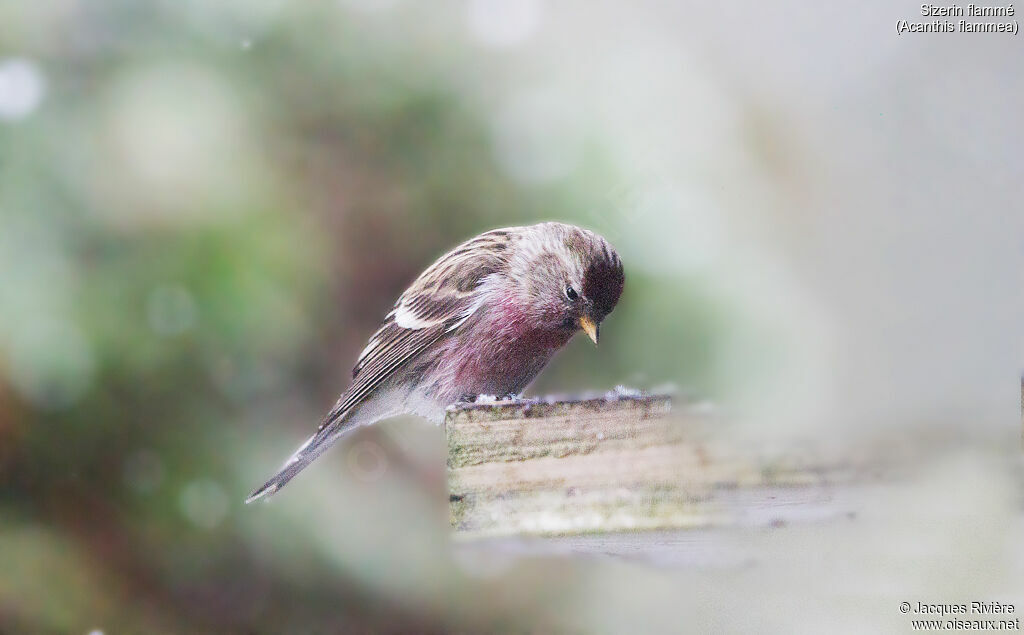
(174,150)
(204,503)
(501,24)
(22,87)
(370,6)
(367,461)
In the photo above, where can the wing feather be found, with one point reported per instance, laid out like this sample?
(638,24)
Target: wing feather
(443,295)
(439,301)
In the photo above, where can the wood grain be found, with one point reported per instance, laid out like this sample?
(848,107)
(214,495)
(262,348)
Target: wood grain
(573,467)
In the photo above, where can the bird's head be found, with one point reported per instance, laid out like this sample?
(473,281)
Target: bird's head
(572,277)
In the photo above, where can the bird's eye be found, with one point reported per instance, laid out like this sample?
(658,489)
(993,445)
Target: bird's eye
(571,293)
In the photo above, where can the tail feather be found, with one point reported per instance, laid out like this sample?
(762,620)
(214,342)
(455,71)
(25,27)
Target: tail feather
(336,424)
(306,454)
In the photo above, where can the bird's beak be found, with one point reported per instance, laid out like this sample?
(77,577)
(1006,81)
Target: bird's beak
(590,327)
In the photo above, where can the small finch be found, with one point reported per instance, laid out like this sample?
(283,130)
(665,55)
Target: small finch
(482,320)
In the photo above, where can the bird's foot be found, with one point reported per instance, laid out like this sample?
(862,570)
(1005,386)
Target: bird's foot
(518,398)
(474,398)
(513,397)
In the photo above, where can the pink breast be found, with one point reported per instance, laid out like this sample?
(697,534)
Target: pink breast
(504,350)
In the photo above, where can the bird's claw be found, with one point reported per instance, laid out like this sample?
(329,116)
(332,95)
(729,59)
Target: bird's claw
(514,397)
(518,398)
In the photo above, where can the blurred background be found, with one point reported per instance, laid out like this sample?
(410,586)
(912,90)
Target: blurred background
(207,207)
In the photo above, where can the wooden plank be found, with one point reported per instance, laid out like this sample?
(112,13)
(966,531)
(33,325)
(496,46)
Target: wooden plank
(627,462)
(505,432)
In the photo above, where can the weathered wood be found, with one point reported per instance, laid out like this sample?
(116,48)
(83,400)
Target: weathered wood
(567,466)
(621,463)
(508,431)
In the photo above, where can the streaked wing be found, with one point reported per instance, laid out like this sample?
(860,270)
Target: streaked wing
(401,346)
(439,301)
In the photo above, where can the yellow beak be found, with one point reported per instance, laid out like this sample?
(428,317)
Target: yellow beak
(589,328)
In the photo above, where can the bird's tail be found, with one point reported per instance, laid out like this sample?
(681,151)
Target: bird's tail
(306,454)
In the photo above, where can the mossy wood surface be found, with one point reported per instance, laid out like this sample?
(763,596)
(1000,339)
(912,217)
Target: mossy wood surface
(570,467)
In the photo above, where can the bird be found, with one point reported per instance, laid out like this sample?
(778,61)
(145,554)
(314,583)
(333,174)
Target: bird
(484,319)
